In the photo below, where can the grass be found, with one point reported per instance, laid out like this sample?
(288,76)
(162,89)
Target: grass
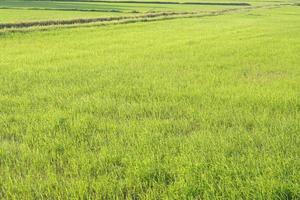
(80,6)
(108,7)
(203,108)
(20,15)
(23,14)
(45,25)
(45,12)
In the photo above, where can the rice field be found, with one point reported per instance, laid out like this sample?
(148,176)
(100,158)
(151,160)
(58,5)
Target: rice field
(21,15)
(108,7)
(194,107)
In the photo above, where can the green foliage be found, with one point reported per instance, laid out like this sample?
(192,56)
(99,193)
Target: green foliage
(20,15)
(202,108)
(107,7)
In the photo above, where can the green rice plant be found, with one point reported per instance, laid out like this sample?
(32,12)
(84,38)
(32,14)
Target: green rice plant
(193,108)
(26,15)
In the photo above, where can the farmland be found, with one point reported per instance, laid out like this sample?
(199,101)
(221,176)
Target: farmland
(200,102)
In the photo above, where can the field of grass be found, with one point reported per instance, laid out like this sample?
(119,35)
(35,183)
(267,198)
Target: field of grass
(43,12)
(73,6)
(108,7)
(20,15)
(193,108)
